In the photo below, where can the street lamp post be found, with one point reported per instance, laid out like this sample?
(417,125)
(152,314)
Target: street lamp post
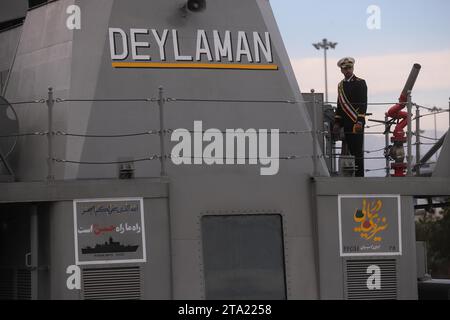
(325,45)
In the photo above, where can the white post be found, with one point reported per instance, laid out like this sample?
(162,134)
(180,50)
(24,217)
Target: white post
(409,135)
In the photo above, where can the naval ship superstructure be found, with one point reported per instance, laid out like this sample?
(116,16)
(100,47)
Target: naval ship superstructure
(119,131)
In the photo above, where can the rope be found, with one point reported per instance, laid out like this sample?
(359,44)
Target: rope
(232,100)
(23,135)
(425,137)
(378,169)
(373,151)
(22,102)
(58,100)
(61,133)
(154,157)
(430,114)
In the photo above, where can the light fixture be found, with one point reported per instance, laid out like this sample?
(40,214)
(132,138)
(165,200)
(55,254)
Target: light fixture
(193,6)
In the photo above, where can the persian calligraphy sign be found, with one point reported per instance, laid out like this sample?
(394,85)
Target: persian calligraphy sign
(369,225)
(109,231)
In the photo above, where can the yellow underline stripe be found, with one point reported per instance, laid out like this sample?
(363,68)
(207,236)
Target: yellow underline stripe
(192,65)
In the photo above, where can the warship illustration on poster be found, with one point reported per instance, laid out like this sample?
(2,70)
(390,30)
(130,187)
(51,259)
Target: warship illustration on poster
(109,246)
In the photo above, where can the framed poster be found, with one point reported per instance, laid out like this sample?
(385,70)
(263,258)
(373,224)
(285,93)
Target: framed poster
(369,225)
(109,231)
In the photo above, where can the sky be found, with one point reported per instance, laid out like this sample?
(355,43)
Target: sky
(410,31)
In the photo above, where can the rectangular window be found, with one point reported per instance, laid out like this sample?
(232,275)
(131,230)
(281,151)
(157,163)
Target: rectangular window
(243,257)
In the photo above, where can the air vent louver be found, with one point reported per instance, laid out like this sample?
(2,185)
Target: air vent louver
(112,283)
(23,284)
(356,280)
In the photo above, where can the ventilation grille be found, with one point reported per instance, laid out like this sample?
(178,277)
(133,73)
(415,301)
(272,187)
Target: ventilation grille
(7,290)
(112,284)
(357,276)
(23,284)
(15,284)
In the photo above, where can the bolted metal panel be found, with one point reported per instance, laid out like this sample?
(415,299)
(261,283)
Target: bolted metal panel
(357,275)
(243,257)
(112,283)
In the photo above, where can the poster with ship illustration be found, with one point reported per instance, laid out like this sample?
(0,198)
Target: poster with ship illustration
(369,225)
(109,231)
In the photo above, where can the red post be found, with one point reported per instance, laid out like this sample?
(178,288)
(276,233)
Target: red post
(397,152)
